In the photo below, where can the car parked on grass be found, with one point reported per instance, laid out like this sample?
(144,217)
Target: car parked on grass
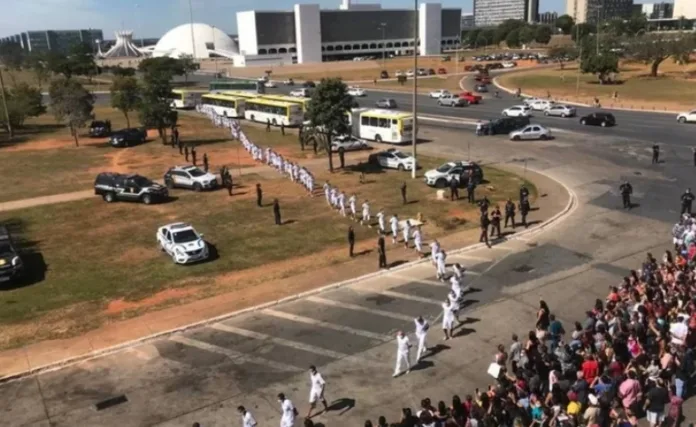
(687,117)
(344,143)
(393,159)
(182,242)
(504,125)
(11,265)
(438,93)
(531,132)
(442,71)
(598,119)
(517,111)
(131,188)
(386,103)
(559,110)
(383,74)
(471,98)
(128,137)
(191,177)
(441,176)
(450,100)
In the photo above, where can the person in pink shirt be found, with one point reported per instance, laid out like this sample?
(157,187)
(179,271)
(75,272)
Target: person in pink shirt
(630,393)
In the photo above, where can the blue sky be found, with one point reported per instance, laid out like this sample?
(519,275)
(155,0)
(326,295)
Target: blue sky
(152,18)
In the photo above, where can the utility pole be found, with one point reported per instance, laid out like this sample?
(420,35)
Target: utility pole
(579,44)
(415,90)
(10,132)
(383,25)
(193,41)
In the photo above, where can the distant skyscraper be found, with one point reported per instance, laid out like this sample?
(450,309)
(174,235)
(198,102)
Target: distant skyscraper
(467,21)
(55,41)
(590,11)
(548,18)
(488,13)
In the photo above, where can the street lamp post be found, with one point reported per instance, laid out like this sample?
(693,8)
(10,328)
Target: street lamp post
(193,41)
(215,59)
(415,89)
(383,26)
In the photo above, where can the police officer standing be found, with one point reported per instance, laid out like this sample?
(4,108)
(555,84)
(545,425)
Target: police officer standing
(276,211)
(656,154)
(282,129)
(259,195)
(510,213)
(193,155)
(485,222)
(351,241)
(470,190)
(686,199)
(268,125)
(403,192)
(524,193)
(180,146)
(454,189)
(626,190)
(205,162)
(496,217)
(484,204)
(175,131)
(382,252)
(342,158)
(524,210)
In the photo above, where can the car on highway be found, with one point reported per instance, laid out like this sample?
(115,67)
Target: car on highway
(504,125)
(304,92)
(270,84)
(529,101)
(483,79)
(423,72)
(356,91)
(451,100)
(130,188)
(481,88)
(11,265)
(517,111)
(344,143)
(441,176)
(393,159)
(687,117)
(471,98)
(598,119)
(438,93)
(560,110)
(531,132)
(410,73)
(289,82)
(509,64)
(386,103)
(309,84)
(128,137)
(182,243)
(190,177)
(540,104)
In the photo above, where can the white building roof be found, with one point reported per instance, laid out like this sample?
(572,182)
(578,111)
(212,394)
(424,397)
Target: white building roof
(198,40)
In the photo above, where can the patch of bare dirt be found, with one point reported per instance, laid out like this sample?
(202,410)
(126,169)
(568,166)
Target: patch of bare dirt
(50,144)
(137,254)
(120,305)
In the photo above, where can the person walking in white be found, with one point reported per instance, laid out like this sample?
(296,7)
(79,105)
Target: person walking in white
(334,198)
(458,270)
(418,240)
(407,233)
(403,346)
(380,220)
(327,192)
(365,213)
(342,203)
(421,333)
(317,390)
(454,305)
(447,319)
(247,419)
(394,224)
(456,286)
(441,266)
(288,411)
(434,249)
(351,202)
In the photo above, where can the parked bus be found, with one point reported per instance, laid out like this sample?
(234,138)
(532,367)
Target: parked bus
(302,102)
(394,127)
(224,105)
(252,86)
(239,94)
(276,112)
(183,99)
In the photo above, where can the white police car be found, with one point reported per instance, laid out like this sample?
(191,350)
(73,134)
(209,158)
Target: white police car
(181,241)
(190,177)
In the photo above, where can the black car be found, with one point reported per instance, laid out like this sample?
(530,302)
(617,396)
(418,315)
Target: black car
(128,137)
(309,84)
(11,266)
(504,125)
(598,119)
(481,88)
(99,128)
(134,188)
(383,74)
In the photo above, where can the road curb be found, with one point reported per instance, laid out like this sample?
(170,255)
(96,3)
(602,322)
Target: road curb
(572,203)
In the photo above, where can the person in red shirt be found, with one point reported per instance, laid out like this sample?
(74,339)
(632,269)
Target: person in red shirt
(590,368)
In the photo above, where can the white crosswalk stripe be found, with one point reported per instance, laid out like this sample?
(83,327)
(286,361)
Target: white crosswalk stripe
(360,308)
(341,328)
(410,297)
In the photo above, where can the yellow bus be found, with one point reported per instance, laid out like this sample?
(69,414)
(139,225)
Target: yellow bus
(273,112)
(181,99)
(224,105)
(239,94)
(302,102)
(388,126)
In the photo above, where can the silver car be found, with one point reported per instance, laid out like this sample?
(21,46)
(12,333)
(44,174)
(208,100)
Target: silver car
(386,103)
(451,100)
(560,111)
(531,132)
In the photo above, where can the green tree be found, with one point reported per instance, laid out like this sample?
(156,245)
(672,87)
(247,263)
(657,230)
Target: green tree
(563,53)
(71,104)
(163,66)
(121,71)
(636,24)
(472,36)
(616,27)
(654,49)
(601,64)
(565,23)
(513,38)
(125,95)
(488,36)
(155,109)
(188,65)
(580,31)
(12,58)
(78,62)
(36,62)
(23,101)
(327,112)
(507,26)
(543,34)
(525,34)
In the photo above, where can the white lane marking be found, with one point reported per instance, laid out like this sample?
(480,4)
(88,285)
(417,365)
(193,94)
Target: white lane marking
(475,258)
(235,355)
(410,297)
(356,307)
(279,341)
(327,325)
(426,281)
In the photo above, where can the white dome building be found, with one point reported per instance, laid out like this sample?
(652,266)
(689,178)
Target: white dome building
(200,42)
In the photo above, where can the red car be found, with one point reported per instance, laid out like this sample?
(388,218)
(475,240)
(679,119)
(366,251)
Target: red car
(441,71)
(470,97)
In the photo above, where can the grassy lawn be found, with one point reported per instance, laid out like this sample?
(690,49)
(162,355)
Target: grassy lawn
(674,89)
(12,78)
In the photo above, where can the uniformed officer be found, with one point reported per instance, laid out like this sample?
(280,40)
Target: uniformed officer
(276,211)
(470,190)
(655,154)
(524,210)
(485,222)
(454,189)
(176,134)
(351,240)
(496,217)
(626,190)
(205,162)
(403,192)
(186,153)
(382,252)
(227,182)
(268,125)
(524,192)
(686,199)
(300,137)
(193,155)
(180,145)
(282,129)
(484,204)
(172,140)
(259,195)
(510,213)
(342,158)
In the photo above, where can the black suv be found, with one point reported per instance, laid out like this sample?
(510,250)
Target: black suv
(128,137)
(504,125)
(99,128)
(134,188)
(599,119)
(11,266)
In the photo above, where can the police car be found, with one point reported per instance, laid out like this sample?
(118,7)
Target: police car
(445,173)
(393,159)
(190,177)
(182,242)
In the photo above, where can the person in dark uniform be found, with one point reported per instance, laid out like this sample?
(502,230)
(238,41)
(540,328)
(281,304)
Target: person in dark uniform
(656,154)
(484,204)
(524,192)
(510,212)
(186,153)
(282,129)
(206,165)
(193,155)
(180,146)
(381,252)
(276,211)
(259,195)
(686,199)
(626,190)
(228,177)
(227,183)
(694,152)
(470,190)
(454,189)
(524,210)
(403,192)
(175,132)
(342,158)
(485,222)
(496,217)
(268,125)
(300,135)
(172,140)
(351,241)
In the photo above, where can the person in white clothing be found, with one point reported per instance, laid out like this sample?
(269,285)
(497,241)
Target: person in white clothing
(288,411)
(418,240)
(407,233)
(456,286)
(247,419)
(454,305)
(327,192)
(447,319)
(434,249)
(403,347)
(365,213)
(458,270)
(380,220)
(316,391)
(334,198)
(342,203)
(394,224)
(421,333)
(441,266)
(351,202)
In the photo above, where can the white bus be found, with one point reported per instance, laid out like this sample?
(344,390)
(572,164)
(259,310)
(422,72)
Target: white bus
(276,112)
(225,105)
(394,127)
(182,99)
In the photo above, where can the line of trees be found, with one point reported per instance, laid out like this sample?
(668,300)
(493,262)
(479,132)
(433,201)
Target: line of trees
(515,33)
